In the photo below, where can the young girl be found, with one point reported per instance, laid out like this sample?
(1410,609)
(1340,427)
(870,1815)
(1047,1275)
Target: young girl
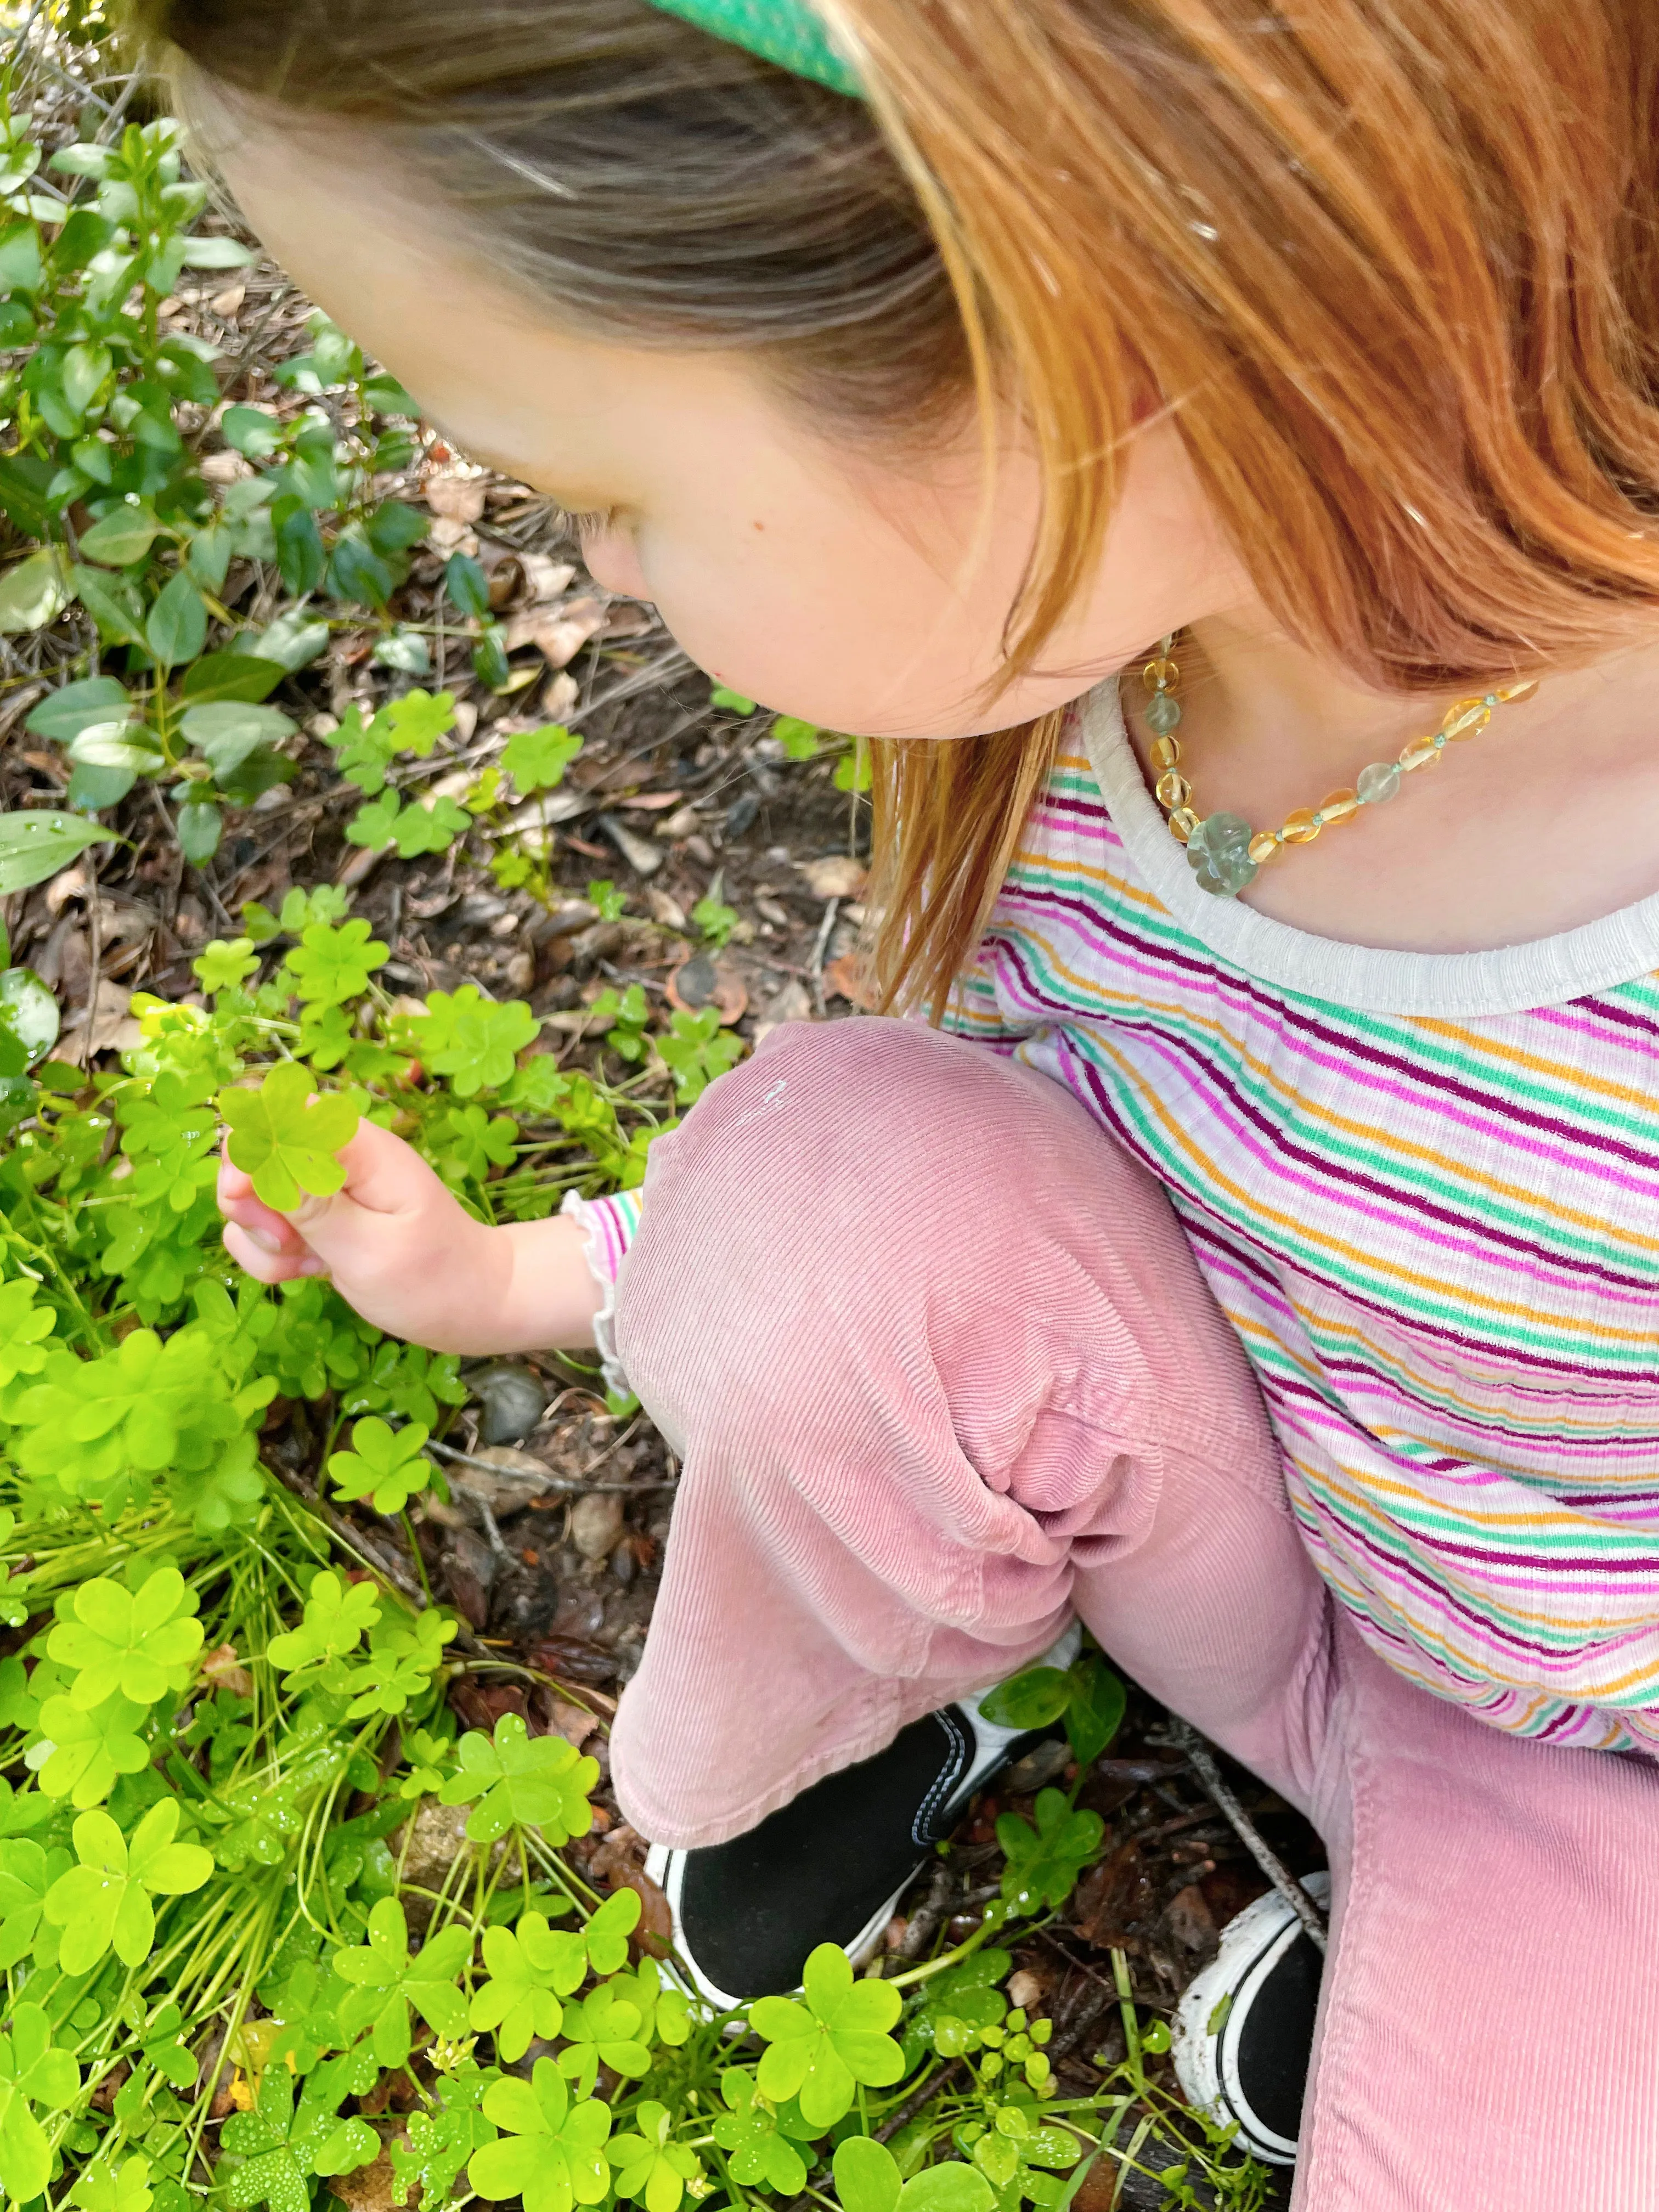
(1262,1260)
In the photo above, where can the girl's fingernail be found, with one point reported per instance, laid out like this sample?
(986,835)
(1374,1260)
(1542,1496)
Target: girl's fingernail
(312,1266)
(265,1242)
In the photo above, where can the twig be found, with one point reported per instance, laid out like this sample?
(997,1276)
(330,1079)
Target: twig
(918,2100)
(820,946)
(557,1484)
(1202,1762)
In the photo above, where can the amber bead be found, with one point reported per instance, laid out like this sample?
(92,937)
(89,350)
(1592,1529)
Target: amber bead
(1160,675)
(1173,789)
(1298,829)
(1337,807)
(1262,846)
(1511,692)
(1466,719)
(1419,753)
(1166,752)
(1183,822)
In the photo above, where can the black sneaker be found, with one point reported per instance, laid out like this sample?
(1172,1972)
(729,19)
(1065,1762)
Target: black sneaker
(830,1866)
(1244,2029)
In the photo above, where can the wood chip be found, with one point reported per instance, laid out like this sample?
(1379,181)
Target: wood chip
(837,875)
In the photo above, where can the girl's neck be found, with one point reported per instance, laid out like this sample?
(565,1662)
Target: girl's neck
(1548,819)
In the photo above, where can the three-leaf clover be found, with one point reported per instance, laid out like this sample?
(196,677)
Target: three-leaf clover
(104,1903)
(606,2029)
(337,1616)
(649,2168)
(282,2146)
(552,2152)
(406,1652)
(385,1464)
(821,2050)
(755,2137)
(867,2179)
(80,1754)
(26,1874)
(286,1137)
(141,1642)
(522,1782)
(537,759)
(440,2142)
(386,1981)
(331,967)
(520,2000)
(1045,1862)
(472,1040)
(104,2187)
(225,964)
(31,2073)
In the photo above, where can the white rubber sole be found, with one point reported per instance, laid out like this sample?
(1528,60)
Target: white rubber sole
(666,1867)
(1204,2044)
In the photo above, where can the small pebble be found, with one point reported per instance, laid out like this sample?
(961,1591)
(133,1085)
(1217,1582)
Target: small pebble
(596,1522)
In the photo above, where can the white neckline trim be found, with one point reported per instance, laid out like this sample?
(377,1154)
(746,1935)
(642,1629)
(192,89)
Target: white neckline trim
(1512,979)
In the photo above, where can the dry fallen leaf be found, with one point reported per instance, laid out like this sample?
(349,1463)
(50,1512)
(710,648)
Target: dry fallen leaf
(849,978)
(701,982)
(227,468)
(225,1671)
(454,496)
(559,634)
(837,875)
(546,580)
(449,534)
(226,304)
(110,1028)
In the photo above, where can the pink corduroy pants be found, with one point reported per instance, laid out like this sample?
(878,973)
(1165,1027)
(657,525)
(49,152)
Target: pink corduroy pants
(942,1369)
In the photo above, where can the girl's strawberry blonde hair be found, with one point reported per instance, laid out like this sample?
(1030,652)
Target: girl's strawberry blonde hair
(1392,266)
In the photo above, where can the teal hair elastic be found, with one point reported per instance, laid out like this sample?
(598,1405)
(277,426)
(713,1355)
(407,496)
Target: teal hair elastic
(784,32)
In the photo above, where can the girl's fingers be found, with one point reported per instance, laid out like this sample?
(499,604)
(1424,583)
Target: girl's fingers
(266,1266)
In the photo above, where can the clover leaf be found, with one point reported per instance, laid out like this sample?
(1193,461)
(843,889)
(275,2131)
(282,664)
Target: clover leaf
(385,1464)
(104,1903)
(867,2179)
(105,2187)
(141,1642)
(537,759)
(26,1873)
(606,2029)
(24,1325)
(336,1618)
(552,2153)
(32,2074)
(1045,1862)
(80,1755)
(280,2145)
(520,2000)
(406,1652)
(472,1040)
(442,2142)
(331,967)
(286,1137)
(386,1982)
(649,2168)
(225,964)
(754,2137)
(823,2049)
(522,1783)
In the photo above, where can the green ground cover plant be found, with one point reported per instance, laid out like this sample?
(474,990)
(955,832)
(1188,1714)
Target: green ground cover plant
(229,1976)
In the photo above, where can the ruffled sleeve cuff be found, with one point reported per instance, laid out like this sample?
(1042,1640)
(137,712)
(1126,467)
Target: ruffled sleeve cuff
(608,1226)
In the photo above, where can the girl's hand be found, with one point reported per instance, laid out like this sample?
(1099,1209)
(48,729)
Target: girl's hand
(402,1249)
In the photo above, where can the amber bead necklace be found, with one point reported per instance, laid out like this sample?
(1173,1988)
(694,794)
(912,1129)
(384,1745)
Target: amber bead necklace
(1223,850)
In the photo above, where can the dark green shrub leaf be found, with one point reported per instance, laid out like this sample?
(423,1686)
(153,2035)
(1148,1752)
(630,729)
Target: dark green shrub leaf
(125,534)
(252,431)
(300,554)
(1095,1712)
(63,713)
(113,607)
(28,1019)
(1031,1700)
(242,676)
(36,844)
(34,591)
(177,627)
(468,586)
(200,827)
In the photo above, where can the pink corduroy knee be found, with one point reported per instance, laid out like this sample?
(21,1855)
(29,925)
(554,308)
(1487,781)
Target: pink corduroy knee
(941,1369)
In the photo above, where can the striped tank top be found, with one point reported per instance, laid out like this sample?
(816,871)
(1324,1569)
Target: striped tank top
(1425,1188)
